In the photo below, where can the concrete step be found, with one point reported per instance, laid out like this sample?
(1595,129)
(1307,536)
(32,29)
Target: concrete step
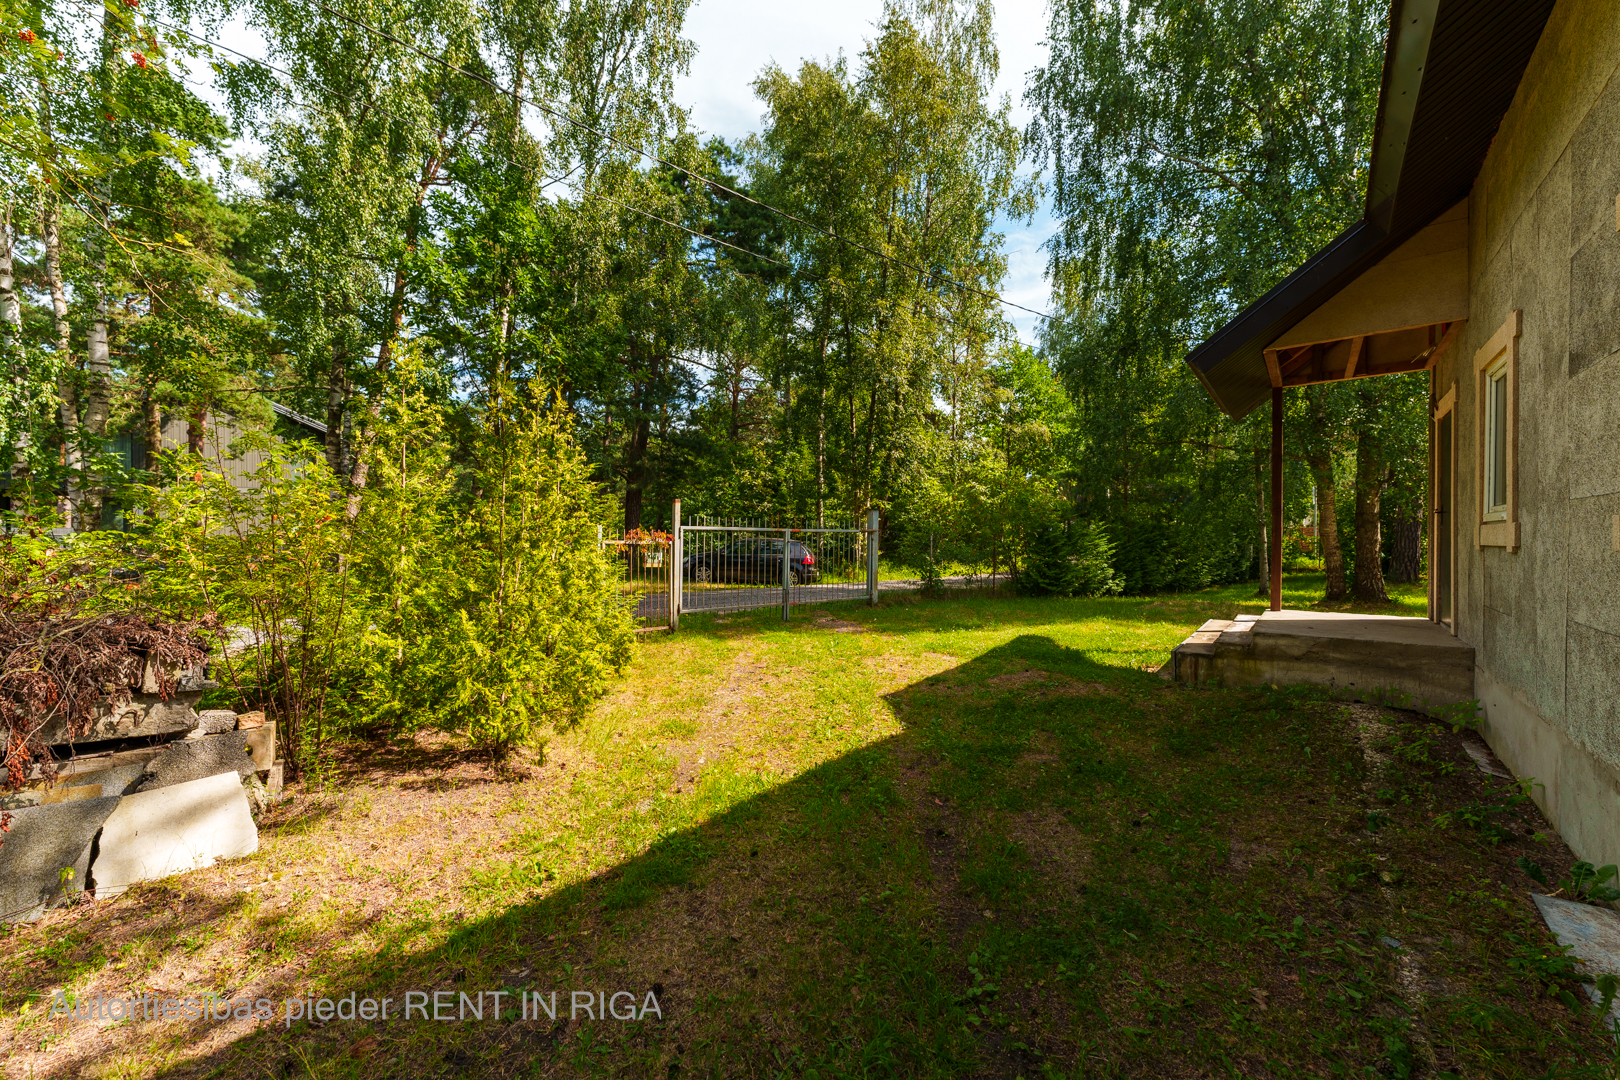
(1202,641)
(1378,655)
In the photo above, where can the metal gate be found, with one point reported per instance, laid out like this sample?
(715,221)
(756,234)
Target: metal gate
(715,565)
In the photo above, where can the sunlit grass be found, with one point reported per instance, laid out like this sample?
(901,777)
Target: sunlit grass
(971,836)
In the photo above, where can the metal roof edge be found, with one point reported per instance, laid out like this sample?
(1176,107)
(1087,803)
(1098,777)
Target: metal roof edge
(1406,54)
(298,418)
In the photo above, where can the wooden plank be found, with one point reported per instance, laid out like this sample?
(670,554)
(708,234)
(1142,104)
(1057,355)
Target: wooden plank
(1299,359)
(1271,367)
(1356,345)
(1445,343)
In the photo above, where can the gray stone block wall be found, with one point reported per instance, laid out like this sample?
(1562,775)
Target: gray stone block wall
(1545,619)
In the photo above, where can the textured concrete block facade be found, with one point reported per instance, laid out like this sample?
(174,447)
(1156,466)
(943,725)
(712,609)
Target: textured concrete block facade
(1545,618)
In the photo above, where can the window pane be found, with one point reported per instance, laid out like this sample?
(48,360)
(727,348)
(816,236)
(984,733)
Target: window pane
(1499,440)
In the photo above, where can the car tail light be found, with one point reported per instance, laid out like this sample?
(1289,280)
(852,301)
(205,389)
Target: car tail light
(809,560)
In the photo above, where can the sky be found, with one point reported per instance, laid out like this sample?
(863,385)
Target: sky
(736,39)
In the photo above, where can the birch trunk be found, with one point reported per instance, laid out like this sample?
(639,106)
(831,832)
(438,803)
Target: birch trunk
(11,355)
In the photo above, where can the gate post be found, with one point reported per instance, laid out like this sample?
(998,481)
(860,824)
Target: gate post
(787,574)
(676,566)
(871,556)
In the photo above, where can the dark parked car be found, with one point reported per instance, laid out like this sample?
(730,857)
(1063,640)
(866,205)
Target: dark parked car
(754,560)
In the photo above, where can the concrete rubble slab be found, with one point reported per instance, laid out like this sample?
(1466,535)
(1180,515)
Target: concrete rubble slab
(117,772)
(213,722)
(42,842)
(261,744)
(169,830)
(1592,935)
(1483,759)
(141,715)
(193,759)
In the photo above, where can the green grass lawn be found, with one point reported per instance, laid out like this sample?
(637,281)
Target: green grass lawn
(968,837)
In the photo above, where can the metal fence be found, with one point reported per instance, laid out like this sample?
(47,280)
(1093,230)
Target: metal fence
(715,565)
(644,557)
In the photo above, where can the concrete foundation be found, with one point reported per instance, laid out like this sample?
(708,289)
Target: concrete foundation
(1350,654)
(1579,793)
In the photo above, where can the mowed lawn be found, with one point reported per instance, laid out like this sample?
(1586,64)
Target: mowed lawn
(963,837)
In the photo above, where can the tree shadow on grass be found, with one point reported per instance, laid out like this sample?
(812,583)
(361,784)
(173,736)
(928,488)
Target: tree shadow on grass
(965,898)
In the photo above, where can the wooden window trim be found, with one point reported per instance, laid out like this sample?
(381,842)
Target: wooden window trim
(1502,532)
(1447,404)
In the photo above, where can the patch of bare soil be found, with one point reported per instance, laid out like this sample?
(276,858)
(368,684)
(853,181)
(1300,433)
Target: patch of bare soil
(1045,683)
(1053,844)
(839,626)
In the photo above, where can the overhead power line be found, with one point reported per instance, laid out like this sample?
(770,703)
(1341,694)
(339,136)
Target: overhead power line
(649,155)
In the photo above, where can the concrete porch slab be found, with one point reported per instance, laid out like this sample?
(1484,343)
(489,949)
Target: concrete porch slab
(1354,655)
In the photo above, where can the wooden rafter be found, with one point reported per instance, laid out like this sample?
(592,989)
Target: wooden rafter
(1445,342)
(1356,346)
(1299,359)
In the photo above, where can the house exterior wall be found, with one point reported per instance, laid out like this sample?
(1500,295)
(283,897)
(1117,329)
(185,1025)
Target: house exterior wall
(1544,239)
(220,433)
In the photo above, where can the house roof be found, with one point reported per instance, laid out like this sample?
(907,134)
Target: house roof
(1451,68)
(299,418)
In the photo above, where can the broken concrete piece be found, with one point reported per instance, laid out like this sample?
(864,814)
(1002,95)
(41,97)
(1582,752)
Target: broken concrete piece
(249,720)
(1482,757)
(43,841)
(116,781)
(213,722)
(62,793)
(116,772)
(142,714)
(193,759)
(1592,935)
(152,834)
(261,743)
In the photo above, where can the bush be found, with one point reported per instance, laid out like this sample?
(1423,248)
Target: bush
(516,624)
(1157,556)
(1068,559)
(482,607)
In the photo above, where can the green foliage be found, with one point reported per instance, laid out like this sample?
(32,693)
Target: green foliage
(1068,558)
(270,558)
(1158,556)
(1199,153)
(482,607)
(510,623)
(1583,882)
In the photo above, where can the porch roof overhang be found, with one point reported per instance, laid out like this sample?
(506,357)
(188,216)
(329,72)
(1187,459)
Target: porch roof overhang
(1385,296)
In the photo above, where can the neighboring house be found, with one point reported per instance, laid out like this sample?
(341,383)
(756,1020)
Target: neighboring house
(1489,256)
(222,431)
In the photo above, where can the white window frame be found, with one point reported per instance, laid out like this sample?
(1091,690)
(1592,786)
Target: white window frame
(1497,525)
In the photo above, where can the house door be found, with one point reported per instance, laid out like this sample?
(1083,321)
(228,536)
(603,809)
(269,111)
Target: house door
(1444,520)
